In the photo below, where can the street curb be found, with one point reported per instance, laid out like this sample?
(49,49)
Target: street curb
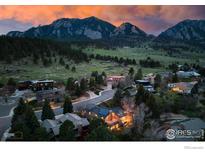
(3,138)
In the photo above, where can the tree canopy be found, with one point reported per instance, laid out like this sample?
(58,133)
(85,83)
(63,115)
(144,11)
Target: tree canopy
(101,133)
(67,132)
(24,121)
(47,112)
(15,48)
(138,75)
(67,106)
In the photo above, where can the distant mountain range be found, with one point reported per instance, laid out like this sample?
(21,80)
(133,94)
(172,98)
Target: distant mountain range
(187,30)
(92,28)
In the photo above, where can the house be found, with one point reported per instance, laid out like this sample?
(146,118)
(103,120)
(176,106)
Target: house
(187,74)
(24,85)
(114,80)
(99,111)
(130,91)
(36,85)
(115,117)
(53,126)
(113,120)
(53,95)
(77,121)
(150,77)
(117,122)
(183,87)
(146,84)
(102,112)
(39,85)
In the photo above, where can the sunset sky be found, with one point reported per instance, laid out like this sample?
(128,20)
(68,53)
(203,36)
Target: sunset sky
(151,19)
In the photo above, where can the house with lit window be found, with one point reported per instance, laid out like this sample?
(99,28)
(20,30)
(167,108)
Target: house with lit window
(183,87)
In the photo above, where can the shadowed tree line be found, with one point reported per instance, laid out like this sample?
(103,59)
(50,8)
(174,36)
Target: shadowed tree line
(12,49)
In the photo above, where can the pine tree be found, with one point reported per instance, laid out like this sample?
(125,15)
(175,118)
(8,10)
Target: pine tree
(95,75)
(138,75)
(70,85)
(67,67)
(83,85)
(67,106)
(140,96)
(73,69)
(78,91)
(31,120)
(47,112)
(92,82)
(118,97)
(61,61)
(11,82)
(24,121)
(21,108)
(94,123)
(157,81)
(101,133)
(153,106)
(100,80)
(175,78)
(104,74)
(67,132)
(41,134)
(131,71)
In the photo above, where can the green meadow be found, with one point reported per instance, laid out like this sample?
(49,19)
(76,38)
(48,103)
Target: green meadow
(26,70)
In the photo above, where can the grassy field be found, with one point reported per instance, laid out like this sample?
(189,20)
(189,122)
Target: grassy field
(58,72)
(143,53)
(26,70)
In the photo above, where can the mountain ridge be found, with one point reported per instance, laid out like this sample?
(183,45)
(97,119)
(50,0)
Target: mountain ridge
(95,29)
(91,28)
(186,30)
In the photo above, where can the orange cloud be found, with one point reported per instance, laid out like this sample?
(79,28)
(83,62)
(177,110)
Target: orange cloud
(149,18)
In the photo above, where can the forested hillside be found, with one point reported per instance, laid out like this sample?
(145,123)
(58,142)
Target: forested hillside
(12,49)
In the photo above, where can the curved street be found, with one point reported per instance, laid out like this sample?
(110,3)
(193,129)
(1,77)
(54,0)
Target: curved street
(5,120)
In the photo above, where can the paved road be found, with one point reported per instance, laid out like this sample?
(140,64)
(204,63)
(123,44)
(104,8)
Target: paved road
(105,95)
(4,124)
(5,108)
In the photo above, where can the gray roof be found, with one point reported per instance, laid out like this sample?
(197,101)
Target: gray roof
(51,126)
(48,123)
(54,125)
(56,130)
(187,74)
(75,119)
